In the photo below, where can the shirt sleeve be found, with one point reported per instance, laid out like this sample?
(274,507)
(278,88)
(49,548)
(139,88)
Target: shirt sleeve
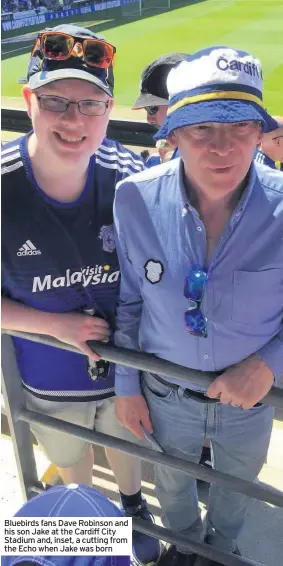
(129,310)
(272,355)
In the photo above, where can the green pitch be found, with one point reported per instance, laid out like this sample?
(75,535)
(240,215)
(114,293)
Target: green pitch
(251,25)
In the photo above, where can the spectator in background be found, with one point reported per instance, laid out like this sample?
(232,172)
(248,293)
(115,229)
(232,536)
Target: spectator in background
(68,501)
(270,152)
(165,151)
(154,95)
(144,154)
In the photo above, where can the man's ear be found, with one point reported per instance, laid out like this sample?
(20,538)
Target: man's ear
(261,140)
(27,94)
(172,140)
(111,104)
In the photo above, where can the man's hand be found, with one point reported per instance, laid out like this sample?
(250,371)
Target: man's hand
(244,384)
(131,411)
(76,329)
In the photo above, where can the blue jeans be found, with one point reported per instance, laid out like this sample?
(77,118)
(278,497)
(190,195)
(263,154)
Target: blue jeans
(239,442)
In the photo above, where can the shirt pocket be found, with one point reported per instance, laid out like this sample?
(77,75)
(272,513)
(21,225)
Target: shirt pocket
(257,295)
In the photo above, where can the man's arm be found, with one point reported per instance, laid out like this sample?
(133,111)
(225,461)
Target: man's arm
(246,383)
(128,317)
(72,328)
(131,407)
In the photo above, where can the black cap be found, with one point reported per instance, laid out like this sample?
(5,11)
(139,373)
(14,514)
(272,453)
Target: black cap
(43,71)
(153,89)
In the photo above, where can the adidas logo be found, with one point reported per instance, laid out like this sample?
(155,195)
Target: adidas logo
(28,249)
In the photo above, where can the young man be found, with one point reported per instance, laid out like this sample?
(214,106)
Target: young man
(270,152)
(200,245)
(60,267)
(68,501)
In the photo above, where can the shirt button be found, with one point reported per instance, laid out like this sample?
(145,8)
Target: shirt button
(205,356)
(199,228)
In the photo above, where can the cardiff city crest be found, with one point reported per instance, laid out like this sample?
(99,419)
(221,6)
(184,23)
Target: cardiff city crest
(107,236)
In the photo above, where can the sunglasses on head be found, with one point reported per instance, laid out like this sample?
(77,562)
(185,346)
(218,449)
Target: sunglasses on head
(151,110)
(195,321)
(58,46)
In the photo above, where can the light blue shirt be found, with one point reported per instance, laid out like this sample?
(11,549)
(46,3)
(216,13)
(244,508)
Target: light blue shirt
(243,300)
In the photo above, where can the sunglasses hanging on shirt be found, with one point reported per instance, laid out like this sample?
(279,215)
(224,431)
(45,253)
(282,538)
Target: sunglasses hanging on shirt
(194,288)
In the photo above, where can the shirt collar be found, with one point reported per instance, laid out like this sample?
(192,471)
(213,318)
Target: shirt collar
(184,201)
(241,205)
(250,186)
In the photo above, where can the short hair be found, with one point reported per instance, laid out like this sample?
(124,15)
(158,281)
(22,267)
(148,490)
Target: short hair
(163,144)
(144,154)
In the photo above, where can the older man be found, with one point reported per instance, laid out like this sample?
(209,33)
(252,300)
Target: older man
(201,253)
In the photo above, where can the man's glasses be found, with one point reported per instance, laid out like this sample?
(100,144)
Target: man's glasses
(59,104)
(60,46)
(152,110)
(195,283)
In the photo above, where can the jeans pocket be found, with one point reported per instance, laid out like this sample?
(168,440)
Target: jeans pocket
(154,388)
(256,407)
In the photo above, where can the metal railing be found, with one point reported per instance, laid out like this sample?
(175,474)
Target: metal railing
(146,362)
(125,131)
(19,417)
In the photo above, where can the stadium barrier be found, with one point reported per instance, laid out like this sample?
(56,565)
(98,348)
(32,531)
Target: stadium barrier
(126,132)
(32,17)
(19,417)
(114,9)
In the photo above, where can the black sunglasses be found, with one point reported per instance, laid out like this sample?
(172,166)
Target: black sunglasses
(151,110)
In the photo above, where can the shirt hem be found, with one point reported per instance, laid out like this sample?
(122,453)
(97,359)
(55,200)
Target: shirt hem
(69,398)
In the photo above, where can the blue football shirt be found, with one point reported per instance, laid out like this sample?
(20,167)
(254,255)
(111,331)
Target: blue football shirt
(262,159)
(61,257)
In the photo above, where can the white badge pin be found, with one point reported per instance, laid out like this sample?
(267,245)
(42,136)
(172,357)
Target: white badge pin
(153,271)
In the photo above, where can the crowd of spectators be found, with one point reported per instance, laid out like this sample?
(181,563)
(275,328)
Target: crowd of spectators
(9,6)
